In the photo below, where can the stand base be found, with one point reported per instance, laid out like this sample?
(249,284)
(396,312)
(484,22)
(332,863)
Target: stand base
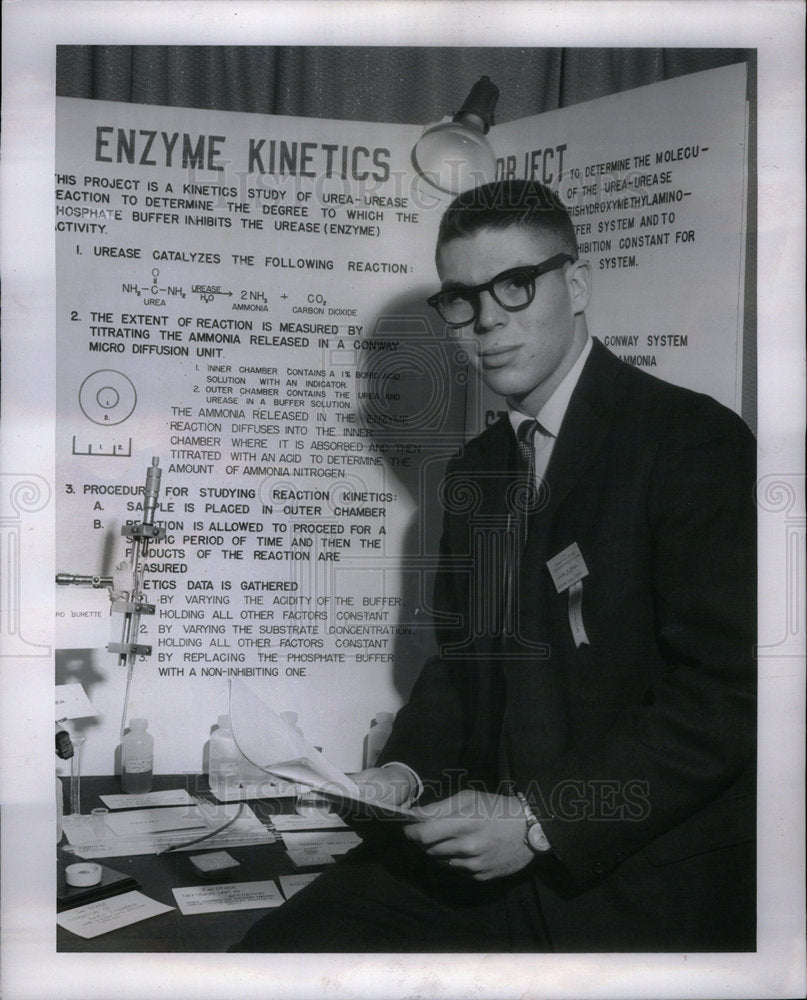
(112,883)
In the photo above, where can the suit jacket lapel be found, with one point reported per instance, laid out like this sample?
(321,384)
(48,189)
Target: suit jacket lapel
(574,461)
(495,468)
(584,428)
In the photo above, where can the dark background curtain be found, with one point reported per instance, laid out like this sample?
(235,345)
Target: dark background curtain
(413,85)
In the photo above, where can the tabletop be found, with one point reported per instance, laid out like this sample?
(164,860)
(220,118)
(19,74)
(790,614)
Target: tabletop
(157,875)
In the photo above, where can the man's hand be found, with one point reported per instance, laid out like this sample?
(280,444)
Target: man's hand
(390,785)
(478,834)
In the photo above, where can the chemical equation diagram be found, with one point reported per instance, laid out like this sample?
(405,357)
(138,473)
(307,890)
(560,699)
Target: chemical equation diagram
(157,292)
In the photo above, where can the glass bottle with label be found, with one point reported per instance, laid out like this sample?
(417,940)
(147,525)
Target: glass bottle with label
(225,757)
(137,758)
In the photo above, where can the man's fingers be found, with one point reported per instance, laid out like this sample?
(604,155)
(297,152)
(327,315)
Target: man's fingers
(452,806)
(446,851)
(426,833)
(435,831)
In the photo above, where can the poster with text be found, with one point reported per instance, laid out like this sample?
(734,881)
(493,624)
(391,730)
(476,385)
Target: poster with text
(240,303)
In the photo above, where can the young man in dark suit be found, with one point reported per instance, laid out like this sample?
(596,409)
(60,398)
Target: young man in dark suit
(582,751)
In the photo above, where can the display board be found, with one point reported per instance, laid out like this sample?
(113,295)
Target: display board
(242,297)
(658,202)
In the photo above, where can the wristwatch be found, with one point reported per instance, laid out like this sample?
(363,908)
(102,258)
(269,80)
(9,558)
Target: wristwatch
(534,838)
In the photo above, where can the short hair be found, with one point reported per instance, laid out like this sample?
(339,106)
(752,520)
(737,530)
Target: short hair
(526,204)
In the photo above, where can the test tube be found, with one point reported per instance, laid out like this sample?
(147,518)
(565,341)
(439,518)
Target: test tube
(75,775)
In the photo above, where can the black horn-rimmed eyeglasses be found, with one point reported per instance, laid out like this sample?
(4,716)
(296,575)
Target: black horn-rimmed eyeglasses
(513,289)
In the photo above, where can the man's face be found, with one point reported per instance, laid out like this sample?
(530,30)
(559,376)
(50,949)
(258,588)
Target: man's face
(521,355)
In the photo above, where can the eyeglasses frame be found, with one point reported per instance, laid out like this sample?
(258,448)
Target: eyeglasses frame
(534,271)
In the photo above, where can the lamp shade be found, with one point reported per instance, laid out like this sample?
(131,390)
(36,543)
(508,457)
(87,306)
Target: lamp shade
(454,157)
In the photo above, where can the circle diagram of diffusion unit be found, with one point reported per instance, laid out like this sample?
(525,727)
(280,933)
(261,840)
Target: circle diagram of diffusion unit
(107,397)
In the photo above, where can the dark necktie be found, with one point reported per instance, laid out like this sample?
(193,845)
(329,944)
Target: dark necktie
(520,504)
(526,466)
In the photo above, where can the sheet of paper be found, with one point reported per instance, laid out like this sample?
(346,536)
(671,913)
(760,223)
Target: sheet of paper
(109,914)
(363,803)
(269,742)
(310,857)
(286,822)
(87,842)
(258,788)
(290,884)
(213,862)
(171,797)
(148,821)
(325,840)
(227,896)
(72,702)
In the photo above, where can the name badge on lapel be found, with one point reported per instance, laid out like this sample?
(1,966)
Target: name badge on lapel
(567,569)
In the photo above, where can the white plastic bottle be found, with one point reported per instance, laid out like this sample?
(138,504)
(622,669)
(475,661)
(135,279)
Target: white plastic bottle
(380,729)
(137,758)
(225,757)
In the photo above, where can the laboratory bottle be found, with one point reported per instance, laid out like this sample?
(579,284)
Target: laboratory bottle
(137,758)
(380,729)
(225,757)
(302,793)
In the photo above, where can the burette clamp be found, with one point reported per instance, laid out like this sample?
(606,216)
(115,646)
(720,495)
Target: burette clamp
(125,648)
(133,607)
(82,580)
(147,532)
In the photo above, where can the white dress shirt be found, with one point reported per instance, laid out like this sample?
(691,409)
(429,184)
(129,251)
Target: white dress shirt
(551,414)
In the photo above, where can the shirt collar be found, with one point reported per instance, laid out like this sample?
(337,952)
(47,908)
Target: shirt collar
(551,414)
